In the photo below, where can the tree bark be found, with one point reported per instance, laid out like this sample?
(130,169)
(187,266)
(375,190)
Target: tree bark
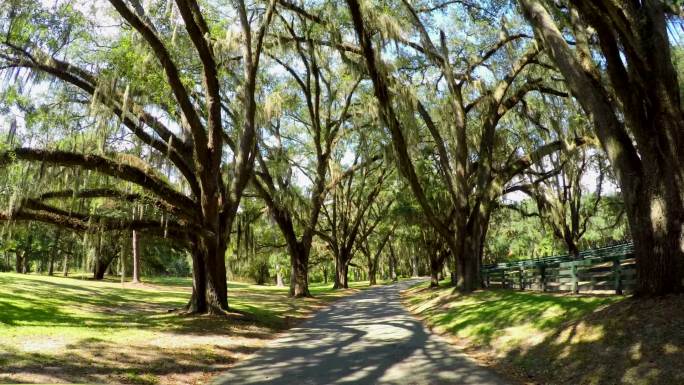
(393,264)
(51,264)
(214,251)
(18,262)
(434,274)
(65,267)
(198,299)
(372,279)
(136,256)
(100,267)
(209,284)
(299,278)
(341,273)
(279,276)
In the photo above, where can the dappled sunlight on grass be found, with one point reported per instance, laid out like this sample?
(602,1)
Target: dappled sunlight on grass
(486,315)
(562,338)
(55,329)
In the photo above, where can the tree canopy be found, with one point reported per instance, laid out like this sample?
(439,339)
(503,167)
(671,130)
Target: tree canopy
(300,139)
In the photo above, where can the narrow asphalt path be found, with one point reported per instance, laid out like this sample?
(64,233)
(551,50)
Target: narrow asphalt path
(366,338)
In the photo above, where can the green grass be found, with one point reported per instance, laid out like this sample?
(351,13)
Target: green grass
(486,316)
(562,338)
(104,331)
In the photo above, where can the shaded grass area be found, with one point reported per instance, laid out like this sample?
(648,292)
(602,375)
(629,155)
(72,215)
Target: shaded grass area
(560,338)
(55,329)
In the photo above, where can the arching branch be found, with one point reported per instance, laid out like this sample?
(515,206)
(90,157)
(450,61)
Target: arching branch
(106,166)
(109,193)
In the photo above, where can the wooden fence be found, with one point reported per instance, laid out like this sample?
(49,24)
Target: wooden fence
(608,269)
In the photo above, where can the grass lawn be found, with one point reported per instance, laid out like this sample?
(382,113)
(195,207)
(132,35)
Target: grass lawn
(561,338)
(55,329)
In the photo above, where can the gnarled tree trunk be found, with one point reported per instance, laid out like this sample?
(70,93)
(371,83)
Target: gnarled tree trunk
(435,267)
(299,278)
(341,273)
(101,265)
(209,284)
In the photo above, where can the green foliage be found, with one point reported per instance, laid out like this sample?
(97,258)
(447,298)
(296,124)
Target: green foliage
(517,233)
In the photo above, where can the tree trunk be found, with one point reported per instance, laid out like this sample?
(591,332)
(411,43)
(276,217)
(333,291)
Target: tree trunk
(25,263)
(279,276)
(51,265)
(341,273)
(437,258)
(198,299)
(414,265)
(26,254)
(572,247)
(65,267)
(100,267)
(473,246)
(299,278)
(393,264)
(18,262)
(655,224)
(136,257)
(209,284)
(434,273)
(372,272)
(122,268)
(214,252)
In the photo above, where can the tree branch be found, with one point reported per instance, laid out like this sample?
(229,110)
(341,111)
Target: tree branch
(106,166)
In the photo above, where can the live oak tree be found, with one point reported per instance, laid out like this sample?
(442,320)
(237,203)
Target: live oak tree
(557,184)
(462,108)
(184,86)
(621,72)
(353,212)
(562,201)
(377,230)
(373,247)
(302,140)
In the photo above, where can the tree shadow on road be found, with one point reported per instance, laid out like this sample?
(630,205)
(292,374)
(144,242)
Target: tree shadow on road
(358,341)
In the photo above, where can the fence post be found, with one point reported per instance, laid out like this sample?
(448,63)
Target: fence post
(521,278)
(575,283)
(542,272)
(618,275)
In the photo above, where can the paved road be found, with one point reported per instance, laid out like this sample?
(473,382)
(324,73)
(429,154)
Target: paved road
(366,338)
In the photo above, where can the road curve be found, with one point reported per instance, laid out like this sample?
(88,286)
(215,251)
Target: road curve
(366,338)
